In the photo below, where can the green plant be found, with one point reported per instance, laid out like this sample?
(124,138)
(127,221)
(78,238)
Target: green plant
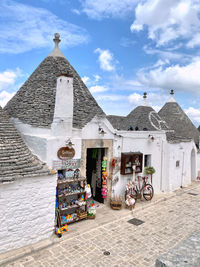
(149,170)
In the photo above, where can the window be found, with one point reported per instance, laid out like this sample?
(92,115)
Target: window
(147,160)
(130,159)
(177,163)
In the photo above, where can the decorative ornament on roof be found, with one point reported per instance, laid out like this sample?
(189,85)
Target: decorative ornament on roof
(172,96)
(56,39)
(145,98)
(56,51)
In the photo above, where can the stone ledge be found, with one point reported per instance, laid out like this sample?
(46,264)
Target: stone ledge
(184,254)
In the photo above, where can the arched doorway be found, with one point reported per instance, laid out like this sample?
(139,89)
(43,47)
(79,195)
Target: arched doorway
(193,165)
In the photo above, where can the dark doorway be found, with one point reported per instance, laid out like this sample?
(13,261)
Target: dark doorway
(94,171)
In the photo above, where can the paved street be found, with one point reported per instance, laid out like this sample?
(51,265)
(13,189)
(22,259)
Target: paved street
(166,223)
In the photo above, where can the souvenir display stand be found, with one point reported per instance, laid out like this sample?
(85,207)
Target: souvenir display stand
(71,197)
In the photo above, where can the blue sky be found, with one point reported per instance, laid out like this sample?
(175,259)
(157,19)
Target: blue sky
(119,48)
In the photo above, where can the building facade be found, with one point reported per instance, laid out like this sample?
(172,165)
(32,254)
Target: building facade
(54,108)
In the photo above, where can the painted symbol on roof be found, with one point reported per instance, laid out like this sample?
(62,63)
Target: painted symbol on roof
(156,121)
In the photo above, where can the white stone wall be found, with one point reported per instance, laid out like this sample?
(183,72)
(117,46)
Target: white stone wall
(140,142)
(180,175)
(27,211)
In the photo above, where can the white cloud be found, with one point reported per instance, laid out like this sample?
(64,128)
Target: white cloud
(135,99)
(5,97)
(97,77)
(181,78)
(91,81)
(106,59)
(85,79)
(111,98)
(98,89)
(127,42)
(24,27)
(167,54)
(169,20)
(76,11)
(194,114)
(100,9)
(9,77)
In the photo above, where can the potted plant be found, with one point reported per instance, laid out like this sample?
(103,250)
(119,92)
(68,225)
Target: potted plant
(149,170)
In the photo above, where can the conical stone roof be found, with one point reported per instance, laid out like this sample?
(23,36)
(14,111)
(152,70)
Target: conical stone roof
(16,160)
(142,118)
(34,103)
(177,120)
(145,118)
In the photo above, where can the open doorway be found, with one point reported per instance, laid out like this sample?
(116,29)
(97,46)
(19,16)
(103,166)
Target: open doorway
(94,171)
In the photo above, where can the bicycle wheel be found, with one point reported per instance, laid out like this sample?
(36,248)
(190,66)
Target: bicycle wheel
(148,192)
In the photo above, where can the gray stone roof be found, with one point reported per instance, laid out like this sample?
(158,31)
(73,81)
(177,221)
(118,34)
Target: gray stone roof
(179,122)
(16,160)
(173,138)
(34,103)
(142,118)
(118,122)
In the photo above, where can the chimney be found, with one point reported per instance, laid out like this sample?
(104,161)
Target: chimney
(63,112)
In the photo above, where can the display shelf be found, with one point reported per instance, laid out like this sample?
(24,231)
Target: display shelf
(71,181)
(72,207)
(70,194)
(76,220)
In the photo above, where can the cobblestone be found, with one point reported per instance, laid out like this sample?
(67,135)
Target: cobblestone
(165,225)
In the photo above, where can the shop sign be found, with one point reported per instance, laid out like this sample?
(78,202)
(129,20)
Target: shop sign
(65,153)
(67,164)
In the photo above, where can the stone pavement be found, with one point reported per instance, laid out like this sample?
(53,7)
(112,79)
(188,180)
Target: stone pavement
(167,221)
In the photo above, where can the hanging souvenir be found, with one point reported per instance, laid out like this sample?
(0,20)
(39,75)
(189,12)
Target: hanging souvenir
(104,163)
(88,191)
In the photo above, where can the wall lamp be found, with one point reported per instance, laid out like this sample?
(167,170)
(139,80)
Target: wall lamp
(101,131)
(69,143)
(151,137)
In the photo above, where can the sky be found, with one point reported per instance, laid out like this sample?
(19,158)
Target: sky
(120,49)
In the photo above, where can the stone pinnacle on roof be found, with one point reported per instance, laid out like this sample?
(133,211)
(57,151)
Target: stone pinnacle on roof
(171,97)
(56,51)
(145,99)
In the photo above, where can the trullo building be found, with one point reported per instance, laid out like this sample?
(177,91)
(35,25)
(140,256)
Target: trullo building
(54,108)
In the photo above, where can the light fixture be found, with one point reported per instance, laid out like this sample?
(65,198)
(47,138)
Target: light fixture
(151,137)
(101,131)
(69,143)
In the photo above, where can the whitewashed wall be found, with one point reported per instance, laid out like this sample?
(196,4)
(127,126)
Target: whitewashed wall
(140,142)
(180,175)
(198,164)
(27,211)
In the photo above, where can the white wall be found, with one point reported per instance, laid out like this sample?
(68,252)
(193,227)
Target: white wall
(140,142)
(27,211)
(180,175)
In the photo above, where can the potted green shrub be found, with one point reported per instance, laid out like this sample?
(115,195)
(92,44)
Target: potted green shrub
(149,170)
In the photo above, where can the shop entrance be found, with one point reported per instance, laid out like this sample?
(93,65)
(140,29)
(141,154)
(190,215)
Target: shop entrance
(94,171)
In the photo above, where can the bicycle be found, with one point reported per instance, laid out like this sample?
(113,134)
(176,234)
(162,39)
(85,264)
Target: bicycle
(146,190)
